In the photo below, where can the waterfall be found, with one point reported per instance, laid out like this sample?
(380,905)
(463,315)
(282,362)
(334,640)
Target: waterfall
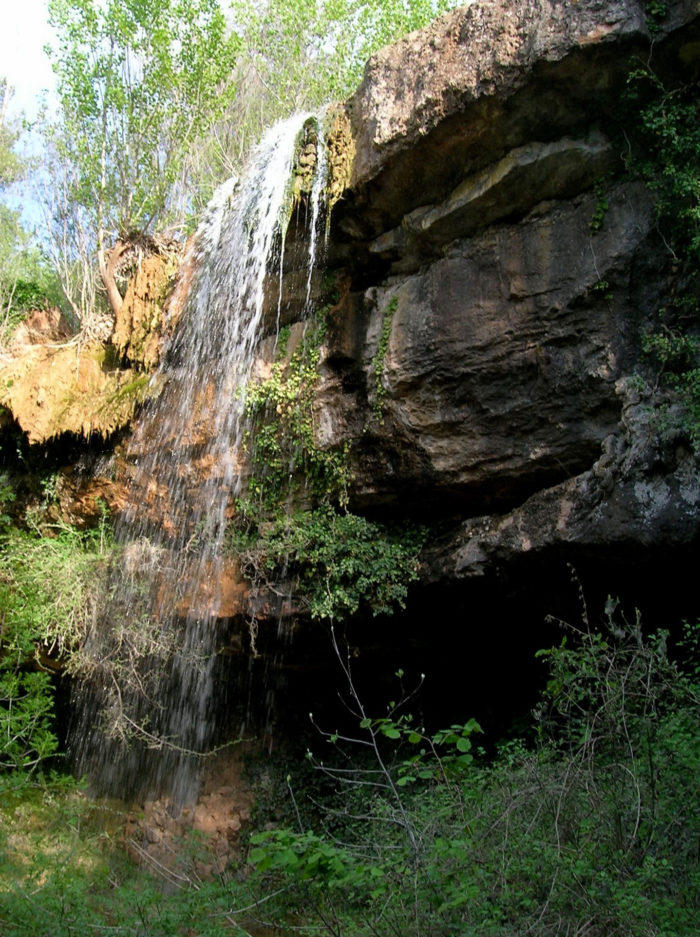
(145,707)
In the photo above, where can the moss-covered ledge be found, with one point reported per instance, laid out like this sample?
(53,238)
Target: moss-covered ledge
(69,388)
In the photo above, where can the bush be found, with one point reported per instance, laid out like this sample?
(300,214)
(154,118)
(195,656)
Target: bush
(49,588)
(338,562)
(592,832)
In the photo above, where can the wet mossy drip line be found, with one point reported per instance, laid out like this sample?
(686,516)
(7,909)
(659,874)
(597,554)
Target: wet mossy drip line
(145,709)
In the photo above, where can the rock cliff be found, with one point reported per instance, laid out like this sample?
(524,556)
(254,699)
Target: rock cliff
(484,148)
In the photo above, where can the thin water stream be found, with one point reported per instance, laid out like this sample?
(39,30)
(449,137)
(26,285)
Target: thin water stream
(146,707)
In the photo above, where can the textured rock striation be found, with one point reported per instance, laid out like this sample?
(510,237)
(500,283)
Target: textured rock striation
(481,358)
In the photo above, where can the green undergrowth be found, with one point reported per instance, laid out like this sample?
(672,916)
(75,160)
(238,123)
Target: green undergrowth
(593,830)
(50,582)
(390,828)
(65,871)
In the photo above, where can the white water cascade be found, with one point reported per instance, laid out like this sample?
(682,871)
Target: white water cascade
(146,707)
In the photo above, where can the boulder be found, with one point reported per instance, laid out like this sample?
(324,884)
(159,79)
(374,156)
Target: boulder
(491,77)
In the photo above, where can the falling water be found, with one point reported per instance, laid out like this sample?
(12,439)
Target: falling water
(152,657)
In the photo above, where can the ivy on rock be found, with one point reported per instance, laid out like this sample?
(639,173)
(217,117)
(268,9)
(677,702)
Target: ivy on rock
(293,523)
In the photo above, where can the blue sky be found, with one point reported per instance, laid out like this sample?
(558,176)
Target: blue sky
(23,33)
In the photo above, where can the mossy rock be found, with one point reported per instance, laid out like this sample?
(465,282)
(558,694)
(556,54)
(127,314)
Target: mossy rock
(51,390)
(139,326)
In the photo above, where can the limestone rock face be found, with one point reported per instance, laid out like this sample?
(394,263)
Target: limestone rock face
(53,389)
(496,268)
(498,271)
(643,490)
(501,360)
(484,80)
(40,327)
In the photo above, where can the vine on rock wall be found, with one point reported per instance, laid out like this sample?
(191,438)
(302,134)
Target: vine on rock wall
(293,525)
(665,150)
(379,360)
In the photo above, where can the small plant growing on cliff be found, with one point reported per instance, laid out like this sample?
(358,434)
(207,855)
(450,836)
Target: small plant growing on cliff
(293,522)
(338,562)
(379,360)
(600,210)
(284,453)
(656,11)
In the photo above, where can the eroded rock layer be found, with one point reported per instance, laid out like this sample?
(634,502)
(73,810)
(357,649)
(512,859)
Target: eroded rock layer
(501,267)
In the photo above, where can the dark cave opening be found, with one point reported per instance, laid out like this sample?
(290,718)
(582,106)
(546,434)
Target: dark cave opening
(467,649)
(475,643)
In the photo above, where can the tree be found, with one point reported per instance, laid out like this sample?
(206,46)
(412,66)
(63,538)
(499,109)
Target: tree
(10,163)
(301,54)
(323,59)
(10,168)
(25,280)
(159,101)
(140,82)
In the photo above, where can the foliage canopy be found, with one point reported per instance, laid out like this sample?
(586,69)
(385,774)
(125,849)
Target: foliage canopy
(139,84)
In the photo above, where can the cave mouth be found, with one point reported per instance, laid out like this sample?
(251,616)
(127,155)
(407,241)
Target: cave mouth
(475,643)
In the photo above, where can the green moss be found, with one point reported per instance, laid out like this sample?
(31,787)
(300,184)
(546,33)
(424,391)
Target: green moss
(293,522)
(287,462)
(135,389)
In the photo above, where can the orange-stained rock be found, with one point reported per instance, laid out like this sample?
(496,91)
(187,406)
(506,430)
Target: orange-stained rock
(41,326)
(158,837)
(223,592)
(82,498)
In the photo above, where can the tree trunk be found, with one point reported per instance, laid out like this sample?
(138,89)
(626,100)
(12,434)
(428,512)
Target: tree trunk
(107,261)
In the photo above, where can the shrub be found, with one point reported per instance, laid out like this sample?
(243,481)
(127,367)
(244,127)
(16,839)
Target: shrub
(49,588)
(592,832)
(337,562)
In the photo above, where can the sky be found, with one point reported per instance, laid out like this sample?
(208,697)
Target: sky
(23,33)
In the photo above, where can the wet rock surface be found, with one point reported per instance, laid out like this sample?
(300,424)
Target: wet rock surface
(500,366)
(197,843)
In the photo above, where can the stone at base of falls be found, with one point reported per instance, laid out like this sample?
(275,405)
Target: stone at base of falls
(159,836)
